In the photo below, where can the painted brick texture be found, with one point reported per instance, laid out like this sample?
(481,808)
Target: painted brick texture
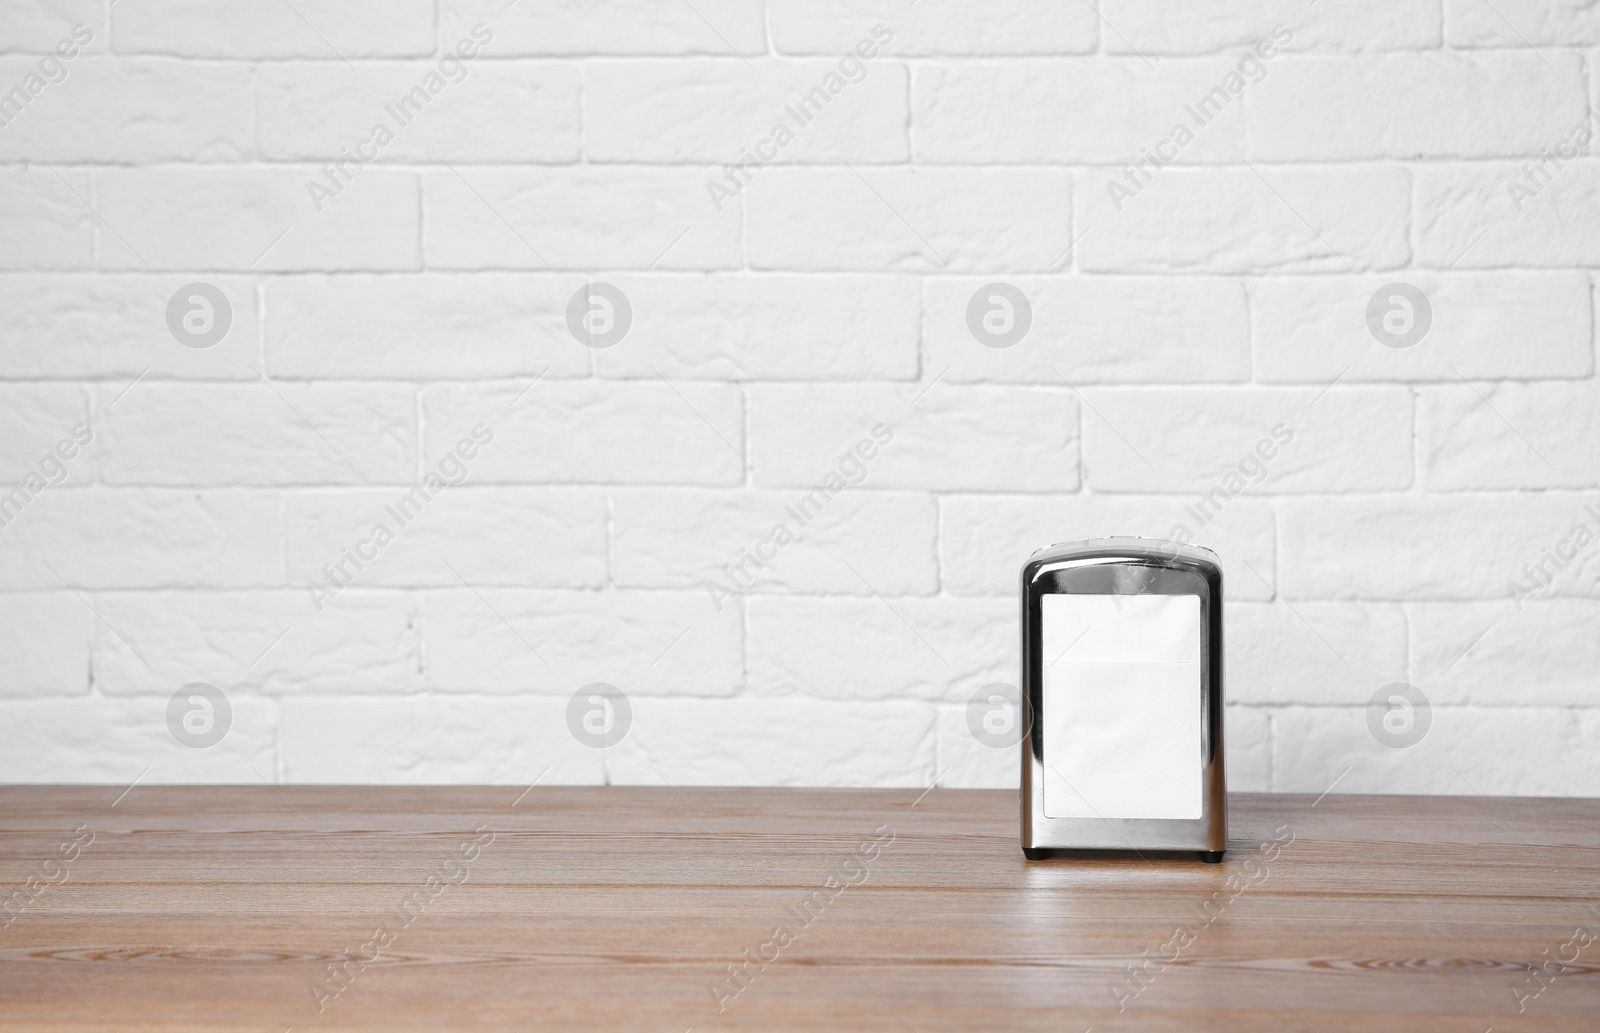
(897,294)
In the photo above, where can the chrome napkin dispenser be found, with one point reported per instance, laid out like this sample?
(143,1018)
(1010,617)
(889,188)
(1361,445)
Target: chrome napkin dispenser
(1122,677)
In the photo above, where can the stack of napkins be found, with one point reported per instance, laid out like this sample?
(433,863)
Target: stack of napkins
(1122,705)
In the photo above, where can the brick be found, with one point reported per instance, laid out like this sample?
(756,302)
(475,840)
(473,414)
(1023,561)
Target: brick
(620,433)
(967,439)
(1247,749)
(1506,324)
(47,218)
(1492,653)
(181,218)
(319,111)
(132,110)
(1588,729)
(1438,548)
(265,434)
(895,648)
(718,27)
(1501,751)
(718,111)
(677,538)
(1468,216)
(936,27)
(97,325)
(966,763)
(985,540)
(1100,329)
(766,328)
(143,538)
(777,742)
(1312,653)
(38,27)
(1336,219)
(431,326)
(271,28)
(361,642)
(413,740)
(34,420)
(1510,435)
(502,640)
(579,218)
(44,644)
(1532,23)
(1012,112)
(483,533)
(94,739)
(1226,440)
(909,219)
(1416,105)
(1174,27)
(830,295)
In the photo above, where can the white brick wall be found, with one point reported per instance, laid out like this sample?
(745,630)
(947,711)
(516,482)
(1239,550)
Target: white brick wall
(779,315)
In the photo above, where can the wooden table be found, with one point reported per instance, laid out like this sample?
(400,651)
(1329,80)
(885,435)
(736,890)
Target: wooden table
(248,908)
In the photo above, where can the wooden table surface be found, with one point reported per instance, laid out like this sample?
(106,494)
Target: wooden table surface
(323,908)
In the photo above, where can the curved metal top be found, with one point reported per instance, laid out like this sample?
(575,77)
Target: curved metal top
(1133,547)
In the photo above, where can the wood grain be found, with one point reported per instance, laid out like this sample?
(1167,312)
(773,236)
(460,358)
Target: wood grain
(205,908)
